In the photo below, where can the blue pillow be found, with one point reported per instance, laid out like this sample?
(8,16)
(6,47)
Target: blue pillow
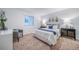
(50,27)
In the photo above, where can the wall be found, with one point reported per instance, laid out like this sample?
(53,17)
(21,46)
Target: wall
(15,19)
(75,22)
(71,15)
(67,14)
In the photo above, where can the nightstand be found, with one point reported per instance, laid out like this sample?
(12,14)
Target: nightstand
(68,32)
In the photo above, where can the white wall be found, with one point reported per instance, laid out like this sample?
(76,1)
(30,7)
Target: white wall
(71,14)
(75,22)
(15,19)
(67,14)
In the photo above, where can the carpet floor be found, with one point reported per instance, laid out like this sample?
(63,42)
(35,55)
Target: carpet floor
(28,42)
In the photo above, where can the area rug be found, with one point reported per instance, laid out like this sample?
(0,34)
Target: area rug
(28,42)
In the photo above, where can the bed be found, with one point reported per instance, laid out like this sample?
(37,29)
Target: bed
(48,36)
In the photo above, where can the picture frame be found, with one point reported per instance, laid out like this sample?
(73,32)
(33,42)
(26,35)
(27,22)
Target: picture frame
(52,19)
(29,20)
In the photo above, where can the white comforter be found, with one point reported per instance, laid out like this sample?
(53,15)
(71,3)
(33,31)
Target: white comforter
(46,36)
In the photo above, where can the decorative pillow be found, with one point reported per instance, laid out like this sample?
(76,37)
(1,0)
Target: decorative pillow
(55,26)
(50,27)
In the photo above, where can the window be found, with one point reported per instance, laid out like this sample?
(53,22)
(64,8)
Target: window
(29,20)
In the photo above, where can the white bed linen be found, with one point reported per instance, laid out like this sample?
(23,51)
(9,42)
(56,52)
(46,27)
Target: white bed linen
(46,36)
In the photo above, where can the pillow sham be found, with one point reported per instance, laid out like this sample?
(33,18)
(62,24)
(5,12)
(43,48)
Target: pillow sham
(55,26)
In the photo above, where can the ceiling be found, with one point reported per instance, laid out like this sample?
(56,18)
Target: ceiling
(41,11)
(61,12)
(67,13)
(50,12)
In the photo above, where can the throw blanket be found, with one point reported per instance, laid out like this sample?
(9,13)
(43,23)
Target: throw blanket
(48,30)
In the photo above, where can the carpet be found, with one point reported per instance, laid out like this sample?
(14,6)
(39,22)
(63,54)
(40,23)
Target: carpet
(28,42)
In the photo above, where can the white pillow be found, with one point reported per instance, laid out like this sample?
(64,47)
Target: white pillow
(55,26)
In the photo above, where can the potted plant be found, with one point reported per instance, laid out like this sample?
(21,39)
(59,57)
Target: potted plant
(2,20)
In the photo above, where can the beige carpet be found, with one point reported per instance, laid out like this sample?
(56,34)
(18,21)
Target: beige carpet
(28,42)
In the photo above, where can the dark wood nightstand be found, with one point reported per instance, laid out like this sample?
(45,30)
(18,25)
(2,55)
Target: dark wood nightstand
(17,33)
(68,32)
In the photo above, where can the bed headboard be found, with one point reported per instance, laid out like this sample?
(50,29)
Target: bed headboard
(55,22)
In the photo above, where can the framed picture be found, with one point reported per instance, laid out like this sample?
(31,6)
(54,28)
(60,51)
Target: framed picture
(29,20)
(56,19)
(52,19)
(49,20)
